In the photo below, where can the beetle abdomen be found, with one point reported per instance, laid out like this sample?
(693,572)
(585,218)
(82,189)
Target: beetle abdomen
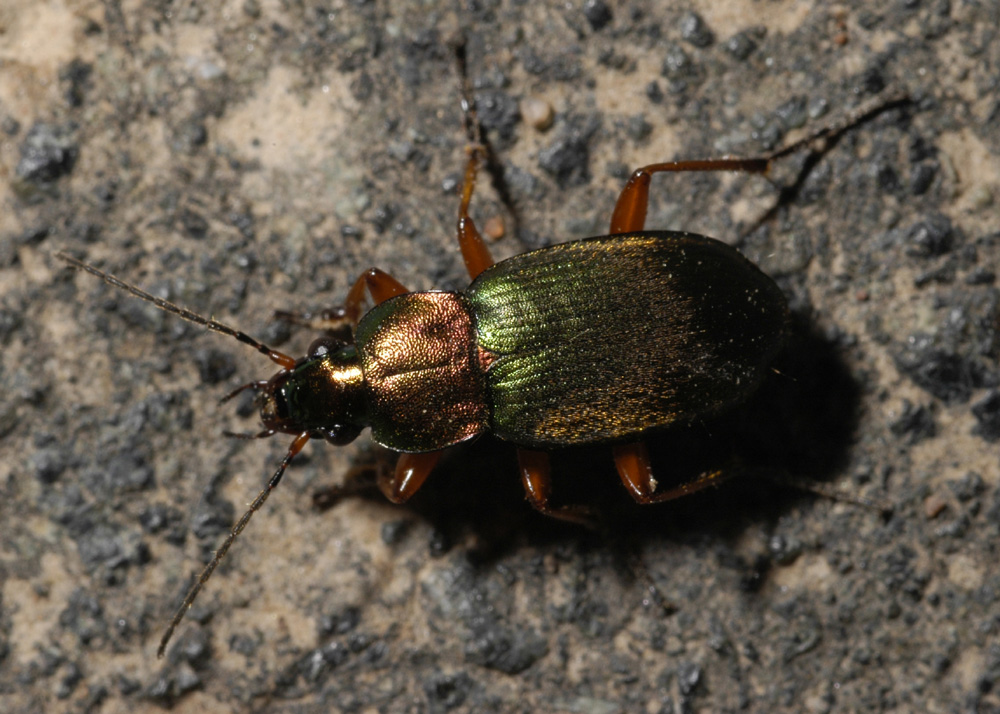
(604,339)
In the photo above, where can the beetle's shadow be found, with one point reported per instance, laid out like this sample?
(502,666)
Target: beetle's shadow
(796,428)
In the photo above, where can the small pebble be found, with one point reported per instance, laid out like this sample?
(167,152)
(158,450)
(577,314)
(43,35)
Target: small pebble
(933,505)
(493,228)
(537,113)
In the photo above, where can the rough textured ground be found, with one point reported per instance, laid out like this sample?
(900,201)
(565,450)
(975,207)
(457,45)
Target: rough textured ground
(243,157)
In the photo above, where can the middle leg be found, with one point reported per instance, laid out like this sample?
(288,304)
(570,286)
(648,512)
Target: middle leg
(536,475)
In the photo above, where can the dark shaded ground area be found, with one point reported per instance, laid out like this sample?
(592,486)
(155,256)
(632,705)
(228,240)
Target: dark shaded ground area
(256,158)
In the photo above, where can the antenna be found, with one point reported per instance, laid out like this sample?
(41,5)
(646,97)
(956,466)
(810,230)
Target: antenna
(282,360)
(189,599)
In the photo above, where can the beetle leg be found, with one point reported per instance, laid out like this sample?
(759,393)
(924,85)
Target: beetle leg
(410,473)
(331,320)
(632,462)
(475,254)
(381,286)
(536,475)
(630,211)
(474,251)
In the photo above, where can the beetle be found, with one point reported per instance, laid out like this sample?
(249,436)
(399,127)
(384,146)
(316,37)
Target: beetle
(593,341)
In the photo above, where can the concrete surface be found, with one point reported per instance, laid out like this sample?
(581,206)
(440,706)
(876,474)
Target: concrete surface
(243,157)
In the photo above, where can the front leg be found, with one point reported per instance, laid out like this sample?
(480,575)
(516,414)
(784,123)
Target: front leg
(380,285)
(409,475)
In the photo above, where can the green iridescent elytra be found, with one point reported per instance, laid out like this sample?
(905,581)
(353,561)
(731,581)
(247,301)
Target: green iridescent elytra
(598,340)
(603,339)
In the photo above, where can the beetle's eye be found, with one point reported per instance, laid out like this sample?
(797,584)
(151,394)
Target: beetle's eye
(341,434)
(325,345)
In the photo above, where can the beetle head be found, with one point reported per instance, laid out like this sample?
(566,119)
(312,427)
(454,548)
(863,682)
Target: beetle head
(323,394)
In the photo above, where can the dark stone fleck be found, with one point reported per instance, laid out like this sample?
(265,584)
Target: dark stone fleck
(567,159)
(523,185)
(942,274)
(214,365)
(318,664)
(955,529)
(740,45)
(987,413)
(128,686)
(105,192)
(161,691)
(447,691)
(638,128)
(213,518)
(784,549)
(384,215)
(47,153)
(754,574)
(920,149)
(160,517)
(922,178)
(189,136)
(506,651)
(930,237)
(948,376)
(84,617)
(352,232)
(871,81)
(654,93)
(48,464)
(127,471)
(886,177)
(980,276)
(243,644)
(694,30)
(439,543)
(76,76)
(393,532)
(915,423)
(362,87)
(339,623)
(676,63)
(186,680)
(868,20)
(193,647)
(194,225)
(402,151)
(498,112)
(71,677)
(688,677)
(967,487)
(793,113)
(104,548)
(244,223)
(10,126)
(598,14)
(10,320)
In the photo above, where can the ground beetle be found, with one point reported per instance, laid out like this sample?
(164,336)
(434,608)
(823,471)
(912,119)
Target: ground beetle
(593,341)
